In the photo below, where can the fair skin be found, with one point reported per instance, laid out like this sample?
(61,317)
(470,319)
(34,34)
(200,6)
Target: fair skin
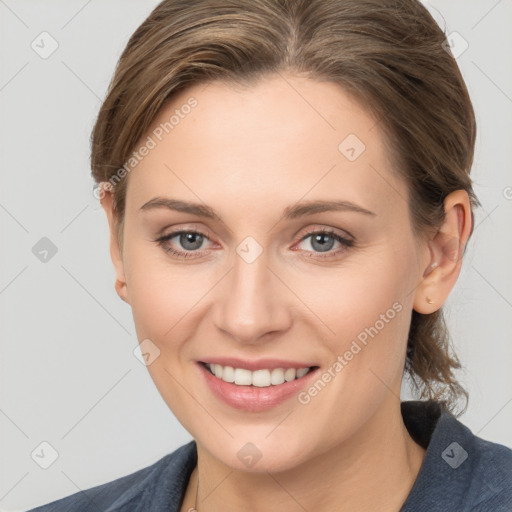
(249,154)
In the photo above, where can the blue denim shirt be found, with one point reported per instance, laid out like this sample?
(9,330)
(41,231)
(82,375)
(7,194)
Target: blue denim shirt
(461,472)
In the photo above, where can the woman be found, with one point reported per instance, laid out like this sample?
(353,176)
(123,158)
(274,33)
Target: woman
(288,194)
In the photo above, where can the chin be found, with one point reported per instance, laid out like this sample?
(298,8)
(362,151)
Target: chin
(258,453)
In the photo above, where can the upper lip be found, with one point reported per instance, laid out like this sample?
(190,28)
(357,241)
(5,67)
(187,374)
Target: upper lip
(260,364)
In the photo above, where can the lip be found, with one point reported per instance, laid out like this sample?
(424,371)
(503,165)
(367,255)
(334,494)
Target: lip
(260,364)
(253,398)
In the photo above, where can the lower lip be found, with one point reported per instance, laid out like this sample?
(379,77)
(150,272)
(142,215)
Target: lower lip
(253,398)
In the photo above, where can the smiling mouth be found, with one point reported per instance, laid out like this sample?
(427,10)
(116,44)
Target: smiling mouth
(258,378)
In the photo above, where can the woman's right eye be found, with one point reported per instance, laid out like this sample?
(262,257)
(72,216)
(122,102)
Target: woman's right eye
(190,240)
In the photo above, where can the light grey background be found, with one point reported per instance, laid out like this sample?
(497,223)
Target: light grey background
(68,373)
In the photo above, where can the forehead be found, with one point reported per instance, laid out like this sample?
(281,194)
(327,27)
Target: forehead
(283,136)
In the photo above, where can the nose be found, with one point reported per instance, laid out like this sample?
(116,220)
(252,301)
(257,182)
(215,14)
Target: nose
(252,302)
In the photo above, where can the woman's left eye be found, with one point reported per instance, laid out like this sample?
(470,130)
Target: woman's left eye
(322,241)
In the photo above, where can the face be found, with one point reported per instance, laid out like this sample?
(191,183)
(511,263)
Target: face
(267,230)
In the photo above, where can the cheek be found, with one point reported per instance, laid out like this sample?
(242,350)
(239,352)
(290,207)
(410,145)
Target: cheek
(165,305)
(365,311)
(162,305)
(370,317)
(351,299)
(166,299)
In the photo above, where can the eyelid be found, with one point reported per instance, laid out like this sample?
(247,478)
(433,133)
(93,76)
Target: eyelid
(185,229)
(208,234)
(345,242)
(325,229)
(343,239)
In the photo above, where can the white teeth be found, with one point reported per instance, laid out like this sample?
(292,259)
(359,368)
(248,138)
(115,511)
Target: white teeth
(301,372)
(261,378)
(290,374)
(228,374)
(217,370)
(258,378)
(242,377)
(277,376)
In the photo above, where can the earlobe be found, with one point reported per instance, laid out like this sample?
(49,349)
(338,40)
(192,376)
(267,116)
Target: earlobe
(446,250)
(107,202)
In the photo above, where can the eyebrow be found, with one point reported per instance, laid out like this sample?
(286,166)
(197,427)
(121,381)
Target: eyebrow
(300,209)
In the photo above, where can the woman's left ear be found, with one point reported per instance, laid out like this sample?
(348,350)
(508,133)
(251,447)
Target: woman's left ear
(446,250)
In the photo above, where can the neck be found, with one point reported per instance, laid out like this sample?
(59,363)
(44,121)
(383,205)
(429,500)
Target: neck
(373,470)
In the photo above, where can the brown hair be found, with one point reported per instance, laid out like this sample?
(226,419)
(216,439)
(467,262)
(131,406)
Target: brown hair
(389,54)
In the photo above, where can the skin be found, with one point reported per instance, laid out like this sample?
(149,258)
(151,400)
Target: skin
(249,154)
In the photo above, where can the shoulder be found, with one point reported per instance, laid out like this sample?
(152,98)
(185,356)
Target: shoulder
(461,471)
(490,485)
(159,486)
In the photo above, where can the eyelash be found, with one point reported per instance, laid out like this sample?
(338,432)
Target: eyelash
(345,242)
